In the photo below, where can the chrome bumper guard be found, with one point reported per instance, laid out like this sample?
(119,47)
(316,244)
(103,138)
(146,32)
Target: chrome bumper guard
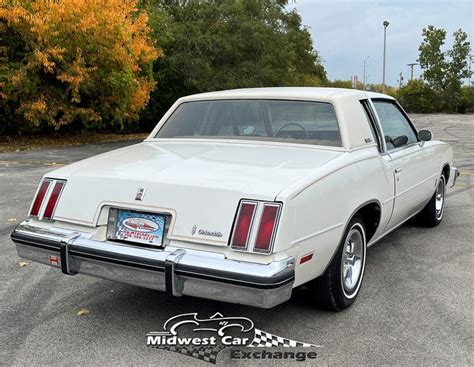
(173,270)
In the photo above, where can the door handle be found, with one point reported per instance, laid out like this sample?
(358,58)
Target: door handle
(398,170)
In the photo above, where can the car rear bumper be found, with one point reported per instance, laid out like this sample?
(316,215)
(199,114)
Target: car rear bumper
(173,270)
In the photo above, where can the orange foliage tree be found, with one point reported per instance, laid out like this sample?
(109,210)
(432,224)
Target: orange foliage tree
(87,61)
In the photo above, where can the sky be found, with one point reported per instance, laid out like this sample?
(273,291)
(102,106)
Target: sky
(346,32)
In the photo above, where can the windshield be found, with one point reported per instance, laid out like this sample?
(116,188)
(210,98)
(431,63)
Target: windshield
(269,120)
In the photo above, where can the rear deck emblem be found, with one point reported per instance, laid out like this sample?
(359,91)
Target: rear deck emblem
(140,194)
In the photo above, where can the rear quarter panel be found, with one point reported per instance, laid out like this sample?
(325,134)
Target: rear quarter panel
(319,211)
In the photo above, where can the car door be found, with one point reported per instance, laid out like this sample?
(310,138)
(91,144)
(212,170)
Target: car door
(409,161)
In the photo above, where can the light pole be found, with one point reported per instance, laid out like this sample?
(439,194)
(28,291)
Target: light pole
(364,70)
(385,25)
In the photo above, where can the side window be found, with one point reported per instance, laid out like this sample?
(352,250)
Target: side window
(394,123)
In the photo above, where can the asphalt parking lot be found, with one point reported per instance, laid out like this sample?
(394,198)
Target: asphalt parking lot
(415,306)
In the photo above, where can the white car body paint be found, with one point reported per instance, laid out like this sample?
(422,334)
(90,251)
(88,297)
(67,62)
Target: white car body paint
(199,182)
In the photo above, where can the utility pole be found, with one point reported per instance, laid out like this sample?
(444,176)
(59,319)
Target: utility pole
(363,80)
(470,69)
(400,80)
(385,25)
(411,69)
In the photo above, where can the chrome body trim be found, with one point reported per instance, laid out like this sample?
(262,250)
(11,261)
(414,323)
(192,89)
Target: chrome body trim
(175,270)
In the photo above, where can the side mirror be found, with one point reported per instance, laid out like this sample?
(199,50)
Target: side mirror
(425,135)
(400,140)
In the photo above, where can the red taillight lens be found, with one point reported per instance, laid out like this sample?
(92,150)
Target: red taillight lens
(243,225)
(39,198)
(53,199)
(267,228)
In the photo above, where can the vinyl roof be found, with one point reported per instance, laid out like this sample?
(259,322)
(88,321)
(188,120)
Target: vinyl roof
(288,92)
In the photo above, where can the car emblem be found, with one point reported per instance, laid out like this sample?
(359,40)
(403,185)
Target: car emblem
(140,194)
(193,231)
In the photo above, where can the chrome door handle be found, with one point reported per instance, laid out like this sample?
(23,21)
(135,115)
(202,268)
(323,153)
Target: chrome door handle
(398,170)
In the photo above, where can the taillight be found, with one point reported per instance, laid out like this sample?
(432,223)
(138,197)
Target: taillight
(53,199)
(243,225)
(39,198)
(267,227)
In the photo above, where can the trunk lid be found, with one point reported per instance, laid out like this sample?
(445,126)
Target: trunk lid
(200,183)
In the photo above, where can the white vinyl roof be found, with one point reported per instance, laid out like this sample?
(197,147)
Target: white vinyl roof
(305,93)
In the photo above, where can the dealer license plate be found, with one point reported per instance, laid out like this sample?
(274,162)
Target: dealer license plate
(137,227)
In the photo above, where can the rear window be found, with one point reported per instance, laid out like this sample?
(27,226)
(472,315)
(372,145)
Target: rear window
(266,120)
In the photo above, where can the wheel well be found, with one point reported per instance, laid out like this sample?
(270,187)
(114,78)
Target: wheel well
(370,214)
(446,171)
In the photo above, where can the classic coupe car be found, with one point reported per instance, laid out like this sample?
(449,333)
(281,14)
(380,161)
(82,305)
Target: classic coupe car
(243,195)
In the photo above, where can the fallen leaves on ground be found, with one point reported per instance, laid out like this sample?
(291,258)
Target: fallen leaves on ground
(83,312)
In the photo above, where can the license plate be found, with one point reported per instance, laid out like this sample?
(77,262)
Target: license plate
(139,227)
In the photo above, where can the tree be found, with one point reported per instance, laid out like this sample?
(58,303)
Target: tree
(215,45)
(81,61)
(444,70)
(467,98)
(417,96)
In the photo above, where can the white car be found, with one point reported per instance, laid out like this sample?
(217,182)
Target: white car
(243,195)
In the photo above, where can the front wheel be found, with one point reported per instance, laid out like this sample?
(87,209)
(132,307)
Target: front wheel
(432,213)
(339,286)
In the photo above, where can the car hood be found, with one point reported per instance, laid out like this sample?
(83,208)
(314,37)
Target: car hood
(196,180)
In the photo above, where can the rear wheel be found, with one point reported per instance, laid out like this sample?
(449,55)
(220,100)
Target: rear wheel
(432,213)
(339,286)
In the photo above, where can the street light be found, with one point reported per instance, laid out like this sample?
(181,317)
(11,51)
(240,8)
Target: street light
(364,71)
(385,25)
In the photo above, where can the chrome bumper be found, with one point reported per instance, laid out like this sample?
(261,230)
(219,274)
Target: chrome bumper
(453,176)
(173,270)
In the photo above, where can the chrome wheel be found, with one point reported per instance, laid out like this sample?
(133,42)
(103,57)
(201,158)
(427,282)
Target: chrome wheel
(353,260)
(439,198)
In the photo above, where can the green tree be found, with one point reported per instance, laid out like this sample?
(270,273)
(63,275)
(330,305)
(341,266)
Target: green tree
(467,98)
(229,44)
(339,84)
(417,96)
(444,70)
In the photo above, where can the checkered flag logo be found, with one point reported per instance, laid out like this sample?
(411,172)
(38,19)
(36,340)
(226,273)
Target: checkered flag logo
(207,354)
(264,339)
(169,339)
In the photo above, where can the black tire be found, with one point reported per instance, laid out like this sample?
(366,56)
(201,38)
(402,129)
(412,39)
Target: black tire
(329,291)
(432,213)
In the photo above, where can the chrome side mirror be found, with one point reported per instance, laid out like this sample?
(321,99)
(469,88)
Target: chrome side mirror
(425,135)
